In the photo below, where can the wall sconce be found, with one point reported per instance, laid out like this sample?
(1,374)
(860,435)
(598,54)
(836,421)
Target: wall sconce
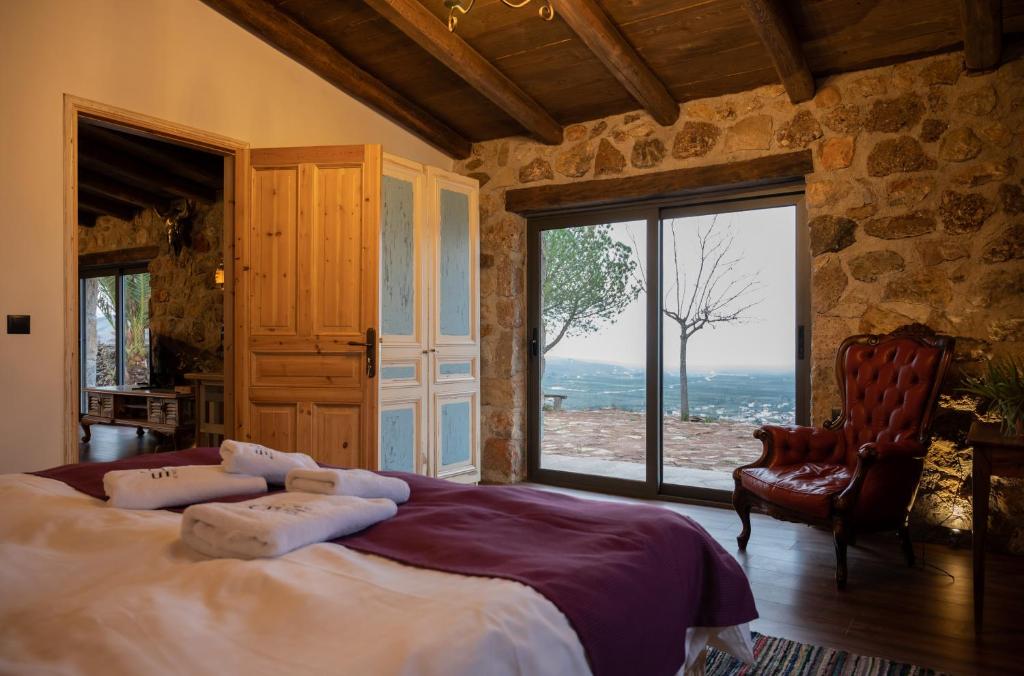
(218,276)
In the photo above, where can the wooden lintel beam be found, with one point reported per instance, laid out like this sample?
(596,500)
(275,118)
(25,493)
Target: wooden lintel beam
(983,33)
(775,28)
(426,30)
(175,160)
(129,170)
(279,30)
(133,256)
(107,206)
(761,171)
(125,192)
(605,40)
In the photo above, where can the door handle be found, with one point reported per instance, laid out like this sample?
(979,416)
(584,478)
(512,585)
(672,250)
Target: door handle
(371,351)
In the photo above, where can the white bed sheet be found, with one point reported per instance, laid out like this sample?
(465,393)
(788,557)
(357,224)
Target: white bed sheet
(89,589)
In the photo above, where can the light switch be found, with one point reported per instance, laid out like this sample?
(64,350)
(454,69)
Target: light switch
(19,324)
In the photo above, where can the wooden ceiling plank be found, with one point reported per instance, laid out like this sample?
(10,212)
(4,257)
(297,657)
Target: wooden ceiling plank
(983,33)
(186,163)
(776,31)
(279,30)
(761,171)
(107,206)
(606,41)
(421,26)
(137,173)
(102,185)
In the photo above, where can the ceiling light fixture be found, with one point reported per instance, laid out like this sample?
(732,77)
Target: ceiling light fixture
(546,12)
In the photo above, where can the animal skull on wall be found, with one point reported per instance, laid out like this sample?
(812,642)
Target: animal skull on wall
(179,218)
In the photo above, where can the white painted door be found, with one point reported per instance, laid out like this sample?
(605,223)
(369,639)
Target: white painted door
(454,283)
(405,258)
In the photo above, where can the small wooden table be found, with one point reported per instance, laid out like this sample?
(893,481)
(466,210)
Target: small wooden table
(209,389)
(994,455)
(164,411)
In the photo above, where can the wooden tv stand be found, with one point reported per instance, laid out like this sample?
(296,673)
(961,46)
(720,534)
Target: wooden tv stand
(165,411)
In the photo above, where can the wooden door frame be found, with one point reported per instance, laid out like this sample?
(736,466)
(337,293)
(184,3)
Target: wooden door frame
(236,171)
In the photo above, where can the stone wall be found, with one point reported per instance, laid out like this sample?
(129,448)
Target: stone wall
(186,306)
(915,210)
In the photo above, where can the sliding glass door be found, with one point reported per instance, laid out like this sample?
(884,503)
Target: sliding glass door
(661,337)
(114,326)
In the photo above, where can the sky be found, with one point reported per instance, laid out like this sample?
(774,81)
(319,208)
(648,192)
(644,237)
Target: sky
(764,244)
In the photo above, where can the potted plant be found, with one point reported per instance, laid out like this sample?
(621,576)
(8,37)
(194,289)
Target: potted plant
(1002,387)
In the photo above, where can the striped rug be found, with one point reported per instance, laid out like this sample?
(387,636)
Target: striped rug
(782,657)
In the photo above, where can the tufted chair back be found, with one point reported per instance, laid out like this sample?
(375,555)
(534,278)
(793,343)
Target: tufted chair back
(889,386)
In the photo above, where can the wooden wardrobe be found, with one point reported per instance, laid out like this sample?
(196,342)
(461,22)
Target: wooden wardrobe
(357,311)
(430,322)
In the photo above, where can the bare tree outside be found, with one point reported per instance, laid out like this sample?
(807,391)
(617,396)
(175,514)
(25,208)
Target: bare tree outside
(715,293)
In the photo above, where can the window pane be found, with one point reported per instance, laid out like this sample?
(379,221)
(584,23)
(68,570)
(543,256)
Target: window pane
(593,371)
(728,340)
(99,334)
(136,328)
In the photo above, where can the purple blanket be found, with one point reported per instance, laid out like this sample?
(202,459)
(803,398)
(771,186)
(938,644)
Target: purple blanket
(630,578)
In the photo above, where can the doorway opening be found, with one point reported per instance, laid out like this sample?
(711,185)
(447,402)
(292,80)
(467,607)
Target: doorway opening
(149,217)
(662,337)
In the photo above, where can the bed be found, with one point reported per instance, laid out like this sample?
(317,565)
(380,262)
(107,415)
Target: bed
(464,580)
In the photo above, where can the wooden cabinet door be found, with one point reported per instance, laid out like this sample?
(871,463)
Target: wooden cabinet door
(454,282)
(404,321)
(306,302)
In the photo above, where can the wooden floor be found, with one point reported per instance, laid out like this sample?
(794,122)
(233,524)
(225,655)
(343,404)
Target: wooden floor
(110,442)
(919,615)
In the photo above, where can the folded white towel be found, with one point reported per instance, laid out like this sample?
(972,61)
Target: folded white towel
(172,486)
(356,482)
(277,524)
(244,458)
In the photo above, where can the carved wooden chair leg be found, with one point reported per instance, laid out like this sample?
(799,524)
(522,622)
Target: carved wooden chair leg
(908,545)
(742,505)
(839,534)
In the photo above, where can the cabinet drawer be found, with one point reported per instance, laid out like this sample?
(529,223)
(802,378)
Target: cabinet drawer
(164,411)
(101,405)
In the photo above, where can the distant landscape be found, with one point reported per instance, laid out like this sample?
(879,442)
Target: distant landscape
(745,395)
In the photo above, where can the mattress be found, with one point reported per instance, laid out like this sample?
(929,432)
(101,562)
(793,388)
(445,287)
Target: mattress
(86,588)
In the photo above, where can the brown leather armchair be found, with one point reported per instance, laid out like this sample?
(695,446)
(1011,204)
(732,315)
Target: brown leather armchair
(861,470)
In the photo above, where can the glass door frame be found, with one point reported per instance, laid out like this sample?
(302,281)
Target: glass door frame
(118,272)
(653,212)
(536,226)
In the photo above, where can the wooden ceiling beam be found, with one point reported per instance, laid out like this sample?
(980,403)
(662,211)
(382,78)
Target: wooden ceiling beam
(983,33)
(102,185)
(279,30)
(776,31)
(185,163)
(603,38)
(105,205)
(137,173)
(426,30)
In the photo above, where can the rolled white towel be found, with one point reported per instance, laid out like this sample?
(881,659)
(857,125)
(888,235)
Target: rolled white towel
(244,458)
(172,486)
(356,482)
(277,524)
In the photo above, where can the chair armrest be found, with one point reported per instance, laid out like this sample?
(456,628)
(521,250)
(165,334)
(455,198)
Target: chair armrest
(879,454)
(789,445)
(884,450)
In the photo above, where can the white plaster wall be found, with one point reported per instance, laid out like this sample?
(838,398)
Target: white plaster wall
(174,59)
